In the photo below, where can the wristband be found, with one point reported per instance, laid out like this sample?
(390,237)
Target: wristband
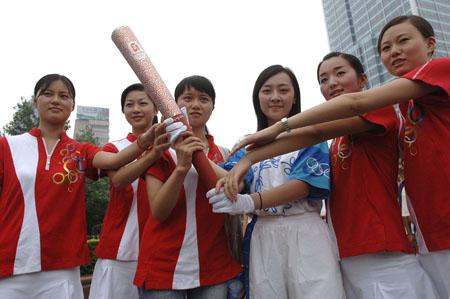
(285,124)
(260,201)
(139,144)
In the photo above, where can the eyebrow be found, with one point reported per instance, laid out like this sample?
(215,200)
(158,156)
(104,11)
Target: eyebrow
(334,69)
(268,85)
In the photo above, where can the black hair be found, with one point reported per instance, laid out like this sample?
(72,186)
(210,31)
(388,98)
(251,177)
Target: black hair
(200,83)
(45,82)
(353,60)
(133,87)
(262,78)
(420,23)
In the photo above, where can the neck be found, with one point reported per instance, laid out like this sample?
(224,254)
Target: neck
(200,133)
(50,131)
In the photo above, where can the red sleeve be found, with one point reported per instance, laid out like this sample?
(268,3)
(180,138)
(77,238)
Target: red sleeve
(163,168)
(435,72)
(91,150)
(2,158)
(110,148)
(386,117)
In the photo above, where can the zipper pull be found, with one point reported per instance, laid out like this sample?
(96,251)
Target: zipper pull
(47,165)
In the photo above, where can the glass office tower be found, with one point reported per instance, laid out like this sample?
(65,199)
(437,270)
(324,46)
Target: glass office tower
(353,27)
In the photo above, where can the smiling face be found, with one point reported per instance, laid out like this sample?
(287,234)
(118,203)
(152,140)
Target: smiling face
(54,104)
(403,48)
(139,111)
(276,97)
(337,76)
(199,106)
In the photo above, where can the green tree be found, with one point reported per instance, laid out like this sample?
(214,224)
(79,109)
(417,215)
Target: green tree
(96,193)
(24,119)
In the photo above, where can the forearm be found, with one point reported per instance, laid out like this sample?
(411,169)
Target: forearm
(309,136)
(281,195)
(354,104)
(128,174)
(164,201)
(106,160)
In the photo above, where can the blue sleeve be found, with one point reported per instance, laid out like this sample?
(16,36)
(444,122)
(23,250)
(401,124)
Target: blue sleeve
(312,166)
(232,160)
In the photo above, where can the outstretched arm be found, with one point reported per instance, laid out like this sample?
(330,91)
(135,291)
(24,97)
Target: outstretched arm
(105,160)
(344,106)
(128,174)
(297,139)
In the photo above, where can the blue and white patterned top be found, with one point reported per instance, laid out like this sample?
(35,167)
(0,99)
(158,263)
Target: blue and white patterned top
(310,165)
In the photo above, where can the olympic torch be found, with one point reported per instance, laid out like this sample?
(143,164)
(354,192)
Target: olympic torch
(154,86)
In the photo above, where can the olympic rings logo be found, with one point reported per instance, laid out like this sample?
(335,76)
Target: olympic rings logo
(318,168)
(71,176)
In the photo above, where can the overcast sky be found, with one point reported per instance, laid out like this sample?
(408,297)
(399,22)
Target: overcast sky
(229,42)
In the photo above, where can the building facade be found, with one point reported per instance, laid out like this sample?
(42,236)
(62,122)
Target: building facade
(95,118)
(353,27)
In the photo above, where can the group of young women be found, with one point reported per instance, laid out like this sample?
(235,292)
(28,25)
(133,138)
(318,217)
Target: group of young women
(164,231)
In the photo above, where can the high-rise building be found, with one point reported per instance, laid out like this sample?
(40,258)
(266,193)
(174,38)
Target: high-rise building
(354,25)
(96,118)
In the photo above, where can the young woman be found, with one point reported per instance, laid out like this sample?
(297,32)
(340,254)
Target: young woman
(42,174)
(406,45)
(128,207)
(291,252)
(184,249)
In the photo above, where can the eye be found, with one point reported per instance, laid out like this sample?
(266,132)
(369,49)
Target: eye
(323,80)
(265,91)
(284,90)
(340,73)
(385,48)
(403,40)
(47,93)
(187,98)
(65,96)
(128,105)
(205,99)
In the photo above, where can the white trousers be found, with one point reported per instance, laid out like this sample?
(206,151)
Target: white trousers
(437,265)
(386,275)
(113,280)
(55,284)
(293,257)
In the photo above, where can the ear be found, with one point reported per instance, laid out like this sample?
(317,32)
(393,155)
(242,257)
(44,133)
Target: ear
(431,45)
(35,102)
(363,81)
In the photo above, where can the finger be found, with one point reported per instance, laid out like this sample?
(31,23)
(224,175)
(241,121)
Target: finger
(168,121)
(211,193)
(237,147)
(220,183)
(230,191)
(173,126)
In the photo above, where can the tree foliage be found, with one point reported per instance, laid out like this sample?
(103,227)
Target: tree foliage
(96,193)
(24,119)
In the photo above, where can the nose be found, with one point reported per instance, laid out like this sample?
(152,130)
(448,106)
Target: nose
(332,81)
(395,50)
(195,103)
(275,97)
(136,109)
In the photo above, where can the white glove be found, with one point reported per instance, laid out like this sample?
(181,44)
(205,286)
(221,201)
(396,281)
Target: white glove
(221,204)
(175,128)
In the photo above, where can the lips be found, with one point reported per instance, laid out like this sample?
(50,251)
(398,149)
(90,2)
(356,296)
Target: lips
(336,92)
(397,62)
